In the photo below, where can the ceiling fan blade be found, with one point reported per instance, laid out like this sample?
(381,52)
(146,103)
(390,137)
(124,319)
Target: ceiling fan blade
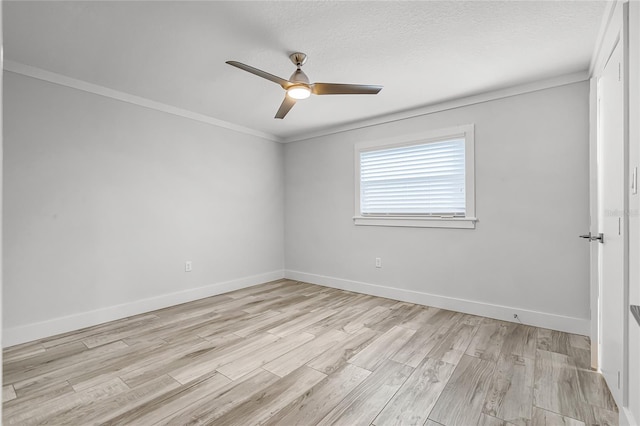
(286,105)
(345,89)
(281,81)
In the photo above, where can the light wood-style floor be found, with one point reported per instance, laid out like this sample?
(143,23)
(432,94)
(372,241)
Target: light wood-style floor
(290,353)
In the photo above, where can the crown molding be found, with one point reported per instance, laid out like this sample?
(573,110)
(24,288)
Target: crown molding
(448,105)
(62,80)
(607,16)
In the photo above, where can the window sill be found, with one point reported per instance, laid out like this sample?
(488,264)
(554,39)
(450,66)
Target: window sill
(417,222)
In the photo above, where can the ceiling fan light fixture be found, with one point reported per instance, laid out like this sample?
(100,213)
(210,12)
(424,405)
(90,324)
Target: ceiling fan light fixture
(299,92)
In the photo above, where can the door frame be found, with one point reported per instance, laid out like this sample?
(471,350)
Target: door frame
(614,32)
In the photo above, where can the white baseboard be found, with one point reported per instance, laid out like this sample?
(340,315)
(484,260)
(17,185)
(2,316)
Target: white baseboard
(505,313)
(26,333)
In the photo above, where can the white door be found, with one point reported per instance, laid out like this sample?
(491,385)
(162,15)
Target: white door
(611,220)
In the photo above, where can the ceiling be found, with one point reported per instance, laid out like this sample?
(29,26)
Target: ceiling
(422,52)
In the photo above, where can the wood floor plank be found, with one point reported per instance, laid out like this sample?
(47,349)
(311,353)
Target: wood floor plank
(444,318)
(382,348)
(313,405)
(242,365)
(488,340)
(600,416)
(266,288)
(172,358)
(580,351)
(343,299)
(301,322)
(581,342)
(167,403)
(143,355)
(594,390)
(8,393)
(557,386)
(510,397)
(160,328)
(41,374)
(396,316)
(125,330)
(451,341)
(547,418)
(52,408)
(346,299)
(314,289)
(366,401)
(108,328)
(416,398)
(369,302)
(266,324)
(334,358)
(19,352)
(367,318)
(334,322)
(204,324)
(417,347)
(593,415)
(236,305)
(304,353)
(243,321)
(310,302)
(462,400)
(581,357)
(35,398)
(420,319)
(205,363)
(553,341)
(194,308)
(120,362)
(279,303)
(40,363)
(261,407)
(487,420)
(206,410)
(521,340)
(115,405)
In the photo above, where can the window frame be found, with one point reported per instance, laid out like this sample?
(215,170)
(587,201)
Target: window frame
(467,222)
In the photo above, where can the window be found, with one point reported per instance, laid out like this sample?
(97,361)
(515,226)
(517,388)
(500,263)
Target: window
(424,180)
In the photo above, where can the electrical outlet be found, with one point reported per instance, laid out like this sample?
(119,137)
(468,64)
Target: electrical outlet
(378,262)
(188,266)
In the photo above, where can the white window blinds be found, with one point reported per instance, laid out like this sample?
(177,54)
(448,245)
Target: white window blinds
(425,179)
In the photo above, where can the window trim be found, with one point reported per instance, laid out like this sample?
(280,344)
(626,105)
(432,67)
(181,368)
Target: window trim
(416,221)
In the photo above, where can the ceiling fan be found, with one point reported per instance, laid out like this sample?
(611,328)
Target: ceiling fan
(298,86)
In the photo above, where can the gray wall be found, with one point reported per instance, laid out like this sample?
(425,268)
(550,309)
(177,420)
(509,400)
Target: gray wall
(532,203)
(105,200)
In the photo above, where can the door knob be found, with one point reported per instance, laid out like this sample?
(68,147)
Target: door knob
(599,237)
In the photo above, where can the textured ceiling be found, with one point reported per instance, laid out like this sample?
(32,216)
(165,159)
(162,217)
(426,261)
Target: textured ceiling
(421,52)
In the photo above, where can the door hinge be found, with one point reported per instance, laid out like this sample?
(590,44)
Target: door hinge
(634,181)
(619,71)
(618,380)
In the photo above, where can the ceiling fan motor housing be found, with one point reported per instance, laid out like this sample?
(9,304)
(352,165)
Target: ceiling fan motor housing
(299,76)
